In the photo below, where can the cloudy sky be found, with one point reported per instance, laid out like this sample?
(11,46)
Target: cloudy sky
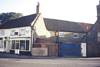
(71,10)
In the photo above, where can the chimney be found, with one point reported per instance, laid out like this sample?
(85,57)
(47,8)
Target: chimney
(38,8)
(98,10)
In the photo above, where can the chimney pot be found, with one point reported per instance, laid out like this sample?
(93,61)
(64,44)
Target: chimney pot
(38,8)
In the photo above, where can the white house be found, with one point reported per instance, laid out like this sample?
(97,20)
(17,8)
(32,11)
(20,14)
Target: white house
(17,36)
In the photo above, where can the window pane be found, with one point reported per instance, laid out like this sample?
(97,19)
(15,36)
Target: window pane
(16,33)
(27,44)
(13,44)
(5,44)
(17,44)
(1,43)
(22,44)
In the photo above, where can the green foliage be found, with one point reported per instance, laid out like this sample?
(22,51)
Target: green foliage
(8,16)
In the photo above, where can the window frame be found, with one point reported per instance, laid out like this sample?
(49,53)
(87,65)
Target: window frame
(19,45)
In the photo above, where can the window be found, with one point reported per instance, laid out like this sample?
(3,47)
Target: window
(15,33)
(1,43)
(17,44)
(98,36)
(4,43)
(13,44)
(75,35)
(61,34)
(22,44)
(27,44)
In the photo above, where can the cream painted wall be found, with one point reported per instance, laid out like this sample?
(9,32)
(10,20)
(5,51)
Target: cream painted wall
(40,28)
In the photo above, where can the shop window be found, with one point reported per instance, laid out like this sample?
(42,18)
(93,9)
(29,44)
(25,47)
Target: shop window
(1,43)
(4,43)
(13,44)
(22,44)
(27,44)
(17,44)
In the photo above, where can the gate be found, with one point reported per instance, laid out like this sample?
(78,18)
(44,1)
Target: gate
(69,50)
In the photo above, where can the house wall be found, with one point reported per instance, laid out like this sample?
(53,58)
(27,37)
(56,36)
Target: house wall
(20,33)
(93,45)
(98,32)
(40,28)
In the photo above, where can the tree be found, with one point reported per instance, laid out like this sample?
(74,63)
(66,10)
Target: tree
(8,16)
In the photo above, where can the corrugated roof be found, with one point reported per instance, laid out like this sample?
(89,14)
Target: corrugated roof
(63,26)
(19,22)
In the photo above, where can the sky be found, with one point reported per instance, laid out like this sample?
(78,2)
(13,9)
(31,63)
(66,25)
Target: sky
(70,10)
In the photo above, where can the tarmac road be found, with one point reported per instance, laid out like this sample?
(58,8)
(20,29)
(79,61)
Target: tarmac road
(58,62)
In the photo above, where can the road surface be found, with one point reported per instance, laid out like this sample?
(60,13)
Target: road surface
(57,62)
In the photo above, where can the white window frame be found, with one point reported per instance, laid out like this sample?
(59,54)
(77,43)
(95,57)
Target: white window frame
(19,44)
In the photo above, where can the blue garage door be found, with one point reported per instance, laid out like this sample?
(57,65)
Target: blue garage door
(69,50)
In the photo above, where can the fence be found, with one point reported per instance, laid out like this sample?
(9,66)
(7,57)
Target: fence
(45,49)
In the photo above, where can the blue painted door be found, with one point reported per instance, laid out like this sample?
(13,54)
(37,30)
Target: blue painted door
(69,50)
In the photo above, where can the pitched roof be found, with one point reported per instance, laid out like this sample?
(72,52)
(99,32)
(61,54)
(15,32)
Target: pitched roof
(19,22)
(63,26)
